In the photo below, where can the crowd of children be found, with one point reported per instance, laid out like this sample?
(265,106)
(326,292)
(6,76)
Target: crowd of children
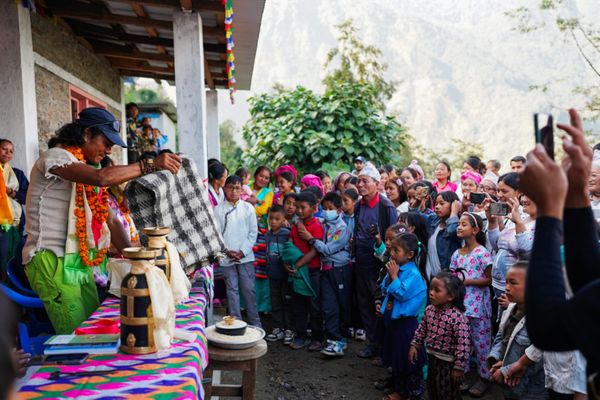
(431,274)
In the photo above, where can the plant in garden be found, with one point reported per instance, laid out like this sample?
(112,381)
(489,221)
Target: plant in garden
(231,153)
(310,130)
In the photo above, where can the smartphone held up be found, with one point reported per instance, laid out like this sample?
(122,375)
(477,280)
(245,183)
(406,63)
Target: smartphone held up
(499,209)
(543,125)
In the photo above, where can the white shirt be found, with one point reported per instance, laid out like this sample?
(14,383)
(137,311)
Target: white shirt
(237,224)
(47,205)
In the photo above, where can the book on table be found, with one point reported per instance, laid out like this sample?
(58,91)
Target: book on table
(91,344)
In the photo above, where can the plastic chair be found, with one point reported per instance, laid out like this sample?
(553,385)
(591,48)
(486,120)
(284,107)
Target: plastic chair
(34,332)
(16,282)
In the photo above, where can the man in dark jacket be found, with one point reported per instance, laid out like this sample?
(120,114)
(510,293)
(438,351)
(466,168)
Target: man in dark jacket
(373,212)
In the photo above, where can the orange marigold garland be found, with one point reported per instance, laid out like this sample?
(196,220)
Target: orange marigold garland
(99,207)
(133,235)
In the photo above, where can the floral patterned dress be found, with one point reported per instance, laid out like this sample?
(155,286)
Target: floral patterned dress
(478,302)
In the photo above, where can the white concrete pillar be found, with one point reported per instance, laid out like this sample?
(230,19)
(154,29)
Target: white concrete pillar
(212,124)
(18,110)
(189,83)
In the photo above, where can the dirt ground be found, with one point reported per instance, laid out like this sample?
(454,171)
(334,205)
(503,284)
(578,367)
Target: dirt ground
(285,374)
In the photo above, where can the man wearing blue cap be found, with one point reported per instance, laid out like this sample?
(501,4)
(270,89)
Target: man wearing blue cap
(69,224)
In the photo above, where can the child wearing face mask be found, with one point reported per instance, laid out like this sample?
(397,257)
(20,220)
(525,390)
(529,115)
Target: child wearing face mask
(336,273)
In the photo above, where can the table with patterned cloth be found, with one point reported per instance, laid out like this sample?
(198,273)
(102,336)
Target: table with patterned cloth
(170,374)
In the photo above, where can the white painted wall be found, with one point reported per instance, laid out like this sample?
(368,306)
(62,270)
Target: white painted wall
(212,125)
(18,111)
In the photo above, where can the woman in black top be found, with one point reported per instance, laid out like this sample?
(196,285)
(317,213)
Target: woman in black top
(553,322)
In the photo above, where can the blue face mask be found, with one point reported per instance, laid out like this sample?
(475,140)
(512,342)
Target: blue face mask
(330,215)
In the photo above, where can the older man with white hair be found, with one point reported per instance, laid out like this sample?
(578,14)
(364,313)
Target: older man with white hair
(374,213)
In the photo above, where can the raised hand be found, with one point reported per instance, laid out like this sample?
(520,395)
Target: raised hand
(168,161)
(545,183)
(577,162)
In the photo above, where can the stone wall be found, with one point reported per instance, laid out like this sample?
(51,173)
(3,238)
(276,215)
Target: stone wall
(53,104)
(53,42)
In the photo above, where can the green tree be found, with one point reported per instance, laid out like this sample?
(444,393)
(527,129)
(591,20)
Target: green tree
(145,95)
(231,152)
(352,61)
(313,130)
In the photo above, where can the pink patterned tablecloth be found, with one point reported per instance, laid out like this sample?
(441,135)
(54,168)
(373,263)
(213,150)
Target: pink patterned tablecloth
(171,374)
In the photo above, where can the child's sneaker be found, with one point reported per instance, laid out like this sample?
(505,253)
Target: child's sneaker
(333,349)
(298,344)
(275,335)
(360,335)
(315,345)
(288,337)
(344,343)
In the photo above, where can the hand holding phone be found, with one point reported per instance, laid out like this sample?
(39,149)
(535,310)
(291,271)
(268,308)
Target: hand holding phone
(476,198)
(499,209)
(375,229)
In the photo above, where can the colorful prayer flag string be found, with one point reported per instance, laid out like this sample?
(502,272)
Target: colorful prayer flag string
(230,68)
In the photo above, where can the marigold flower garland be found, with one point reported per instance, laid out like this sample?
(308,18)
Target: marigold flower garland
(127,215)
(99,207)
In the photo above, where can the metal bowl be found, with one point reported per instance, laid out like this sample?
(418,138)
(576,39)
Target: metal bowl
(237,329)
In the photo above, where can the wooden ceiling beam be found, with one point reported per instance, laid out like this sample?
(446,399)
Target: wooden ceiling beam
(197,5)
(216,64)
(127,38)
(152,32)
(116,51)
(143,74)
(186,5)
(85,12)
(125,72)
(208,75)
(137,66)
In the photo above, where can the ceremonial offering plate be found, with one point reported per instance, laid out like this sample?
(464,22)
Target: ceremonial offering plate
(156,230)
(140,253)
(250,338)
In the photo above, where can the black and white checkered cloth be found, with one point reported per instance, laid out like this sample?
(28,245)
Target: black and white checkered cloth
(180,203)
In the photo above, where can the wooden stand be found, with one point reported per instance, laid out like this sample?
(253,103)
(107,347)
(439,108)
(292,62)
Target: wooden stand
(234,360)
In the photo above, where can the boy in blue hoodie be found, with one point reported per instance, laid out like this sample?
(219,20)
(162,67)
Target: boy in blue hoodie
(281,292)
(336,273)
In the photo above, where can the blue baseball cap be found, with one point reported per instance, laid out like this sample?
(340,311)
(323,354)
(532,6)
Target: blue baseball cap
(96,117)
(360,159)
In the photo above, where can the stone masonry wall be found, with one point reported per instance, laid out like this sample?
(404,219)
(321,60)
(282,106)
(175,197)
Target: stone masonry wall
(55,43)
(53,104)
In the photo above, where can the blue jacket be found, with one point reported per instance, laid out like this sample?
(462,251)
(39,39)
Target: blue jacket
(334,249)
(447,242)
(408,292)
